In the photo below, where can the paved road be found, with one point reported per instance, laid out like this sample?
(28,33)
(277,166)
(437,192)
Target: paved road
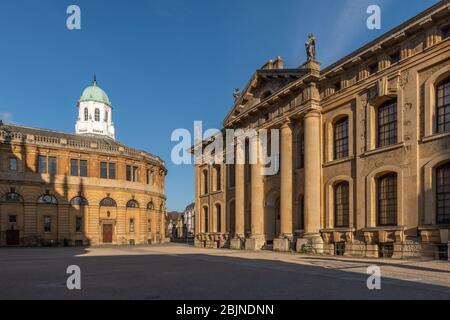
(176,271)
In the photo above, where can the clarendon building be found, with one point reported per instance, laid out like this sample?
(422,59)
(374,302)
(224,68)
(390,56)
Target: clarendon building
(58,188)
(365,152)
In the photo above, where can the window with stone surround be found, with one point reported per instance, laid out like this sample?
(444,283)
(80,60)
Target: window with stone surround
(443,106)
(13,164)
(97,115)
(47,224)
(387,124)
(387,200)
(443,194)
(340,133)
(341,205)
(86,114)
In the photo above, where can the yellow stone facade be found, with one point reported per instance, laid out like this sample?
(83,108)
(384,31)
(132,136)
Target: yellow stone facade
(396,153)
(60,207)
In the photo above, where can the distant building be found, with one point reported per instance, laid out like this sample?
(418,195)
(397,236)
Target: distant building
(78,189)
(189,220)
(174,222)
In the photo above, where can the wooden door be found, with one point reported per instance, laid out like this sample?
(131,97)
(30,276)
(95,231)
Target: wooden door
(107,233)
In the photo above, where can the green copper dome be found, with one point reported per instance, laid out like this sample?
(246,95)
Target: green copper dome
(95,93)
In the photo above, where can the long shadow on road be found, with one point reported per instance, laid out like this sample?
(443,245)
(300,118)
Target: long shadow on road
(189,277)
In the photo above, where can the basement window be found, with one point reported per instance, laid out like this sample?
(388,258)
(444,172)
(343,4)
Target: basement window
(339,248)
(386,250)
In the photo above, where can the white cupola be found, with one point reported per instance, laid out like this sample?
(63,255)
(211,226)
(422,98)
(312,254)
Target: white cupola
(95,113)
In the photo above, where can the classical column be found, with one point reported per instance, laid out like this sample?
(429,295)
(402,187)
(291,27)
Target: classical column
(257,239)
(312,175)
(286,180)
(283,243)
(237,242)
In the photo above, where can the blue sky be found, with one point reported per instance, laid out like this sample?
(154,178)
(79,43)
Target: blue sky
(165,63)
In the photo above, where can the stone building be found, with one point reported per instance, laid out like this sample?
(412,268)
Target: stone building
(58,188)
(189,220)
(365,152)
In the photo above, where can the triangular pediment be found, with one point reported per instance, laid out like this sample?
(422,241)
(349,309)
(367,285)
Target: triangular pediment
(263,85)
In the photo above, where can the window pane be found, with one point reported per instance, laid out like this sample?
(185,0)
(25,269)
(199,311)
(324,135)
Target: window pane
(112,171)
(443,194)
(103,170)
(83,168)
(341,139)
(52,165)
(443,107)
(131,225)
(387,200)
(74,168)
(13,164)
(387,124)
(47,224)
(128,173)
(79,224)
(42,164)
(341,205)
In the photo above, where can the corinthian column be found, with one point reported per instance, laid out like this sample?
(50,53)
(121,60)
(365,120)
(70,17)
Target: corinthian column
(286,180)
(283,243)
(312,173)
(257,239)
(237,242)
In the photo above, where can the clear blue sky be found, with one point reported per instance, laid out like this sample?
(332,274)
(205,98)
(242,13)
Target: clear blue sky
(165,63)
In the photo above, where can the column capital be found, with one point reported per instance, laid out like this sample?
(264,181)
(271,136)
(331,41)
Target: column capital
(287,124)
(313,113)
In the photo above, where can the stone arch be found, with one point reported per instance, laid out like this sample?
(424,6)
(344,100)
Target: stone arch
(132,204)
(430,99)
(329,200)
(272,225)
(371,194)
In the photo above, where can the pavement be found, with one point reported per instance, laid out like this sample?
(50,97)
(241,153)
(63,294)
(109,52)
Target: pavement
(182,272)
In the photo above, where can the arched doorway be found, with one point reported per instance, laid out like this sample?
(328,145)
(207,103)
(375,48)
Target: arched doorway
(272,217)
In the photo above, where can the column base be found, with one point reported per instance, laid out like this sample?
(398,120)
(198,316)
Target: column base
(236,244)
(282,244)
(255,243)
(310,244)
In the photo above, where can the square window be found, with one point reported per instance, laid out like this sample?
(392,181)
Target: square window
(112,171)
(74,168)
(52,168)
(103,170)
(13,164)
(13,219)
(42,164)
(83,168)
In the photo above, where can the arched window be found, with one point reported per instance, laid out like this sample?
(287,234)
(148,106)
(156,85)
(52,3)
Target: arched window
(13,197)
(443,106)
(86,114)
(387,124)
(205,178)
(443,194)
(108,202)
(219,217)
(340,133)
(132,204)
(79,201)
(341,205)
(206,219)
(47,199)
(150,206)
(97,115)
(387,200)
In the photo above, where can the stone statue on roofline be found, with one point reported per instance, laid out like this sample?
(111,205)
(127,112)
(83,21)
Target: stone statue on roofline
(311,47)
(237,94)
